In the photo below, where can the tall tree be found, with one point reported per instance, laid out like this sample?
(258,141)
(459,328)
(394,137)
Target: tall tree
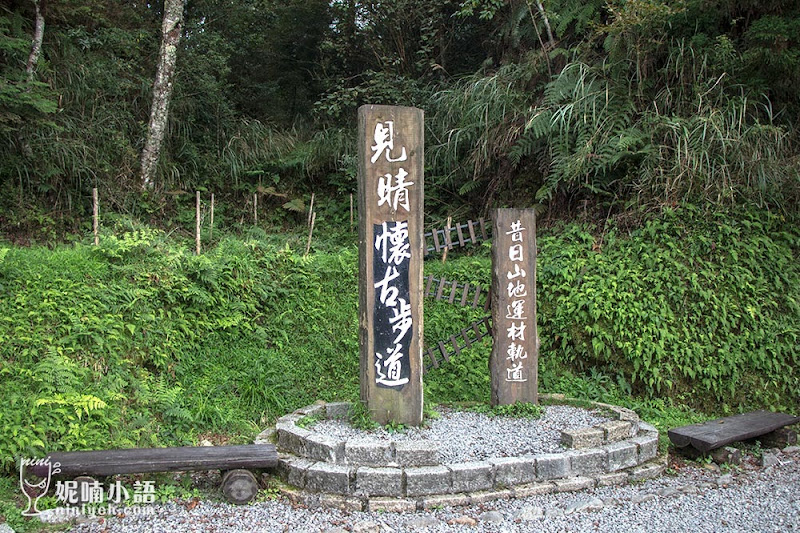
(162,88)
(38,37)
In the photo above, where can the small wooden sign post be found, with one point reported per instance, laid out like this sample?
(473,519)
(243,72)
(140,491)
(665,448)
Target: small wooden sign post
(515,353)
(391,248)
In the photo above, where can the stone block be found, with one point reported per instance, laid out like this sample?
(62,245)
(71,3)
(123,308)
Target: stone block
(391,505)
(646,471)
(573,484)
(426,480)
(338,409)
(621,455)
(324,477)
(291,438)
(445,500)
(727,454)
(367,453)
(343,503)
(622,413)
(511,471)
(315,409)
(612,478)
(324,448)
(379,481)
(588,461)
(647,445)
(491,495)
(780,438)
(646,428)
(416,453)
(295,471)
(616,430)
(582,438)
(552,466)
(534,489)
(268,436)
(471,477)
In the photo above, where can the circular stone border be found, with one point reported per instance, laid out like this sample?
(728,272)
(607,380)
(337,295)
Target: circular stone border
(408,475)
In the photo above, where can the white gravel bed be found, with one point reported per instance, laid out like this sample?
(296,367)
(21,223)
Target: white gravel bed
(463,436)
(753,499)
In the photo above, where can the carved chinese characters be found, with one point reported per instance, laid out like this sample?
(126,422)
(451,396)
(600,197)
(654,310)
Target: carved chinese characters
(515,351)
(390,262)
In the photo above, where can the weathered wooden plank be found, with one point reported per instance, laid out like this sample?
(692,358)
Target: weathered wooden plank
(460,235)
(436,244)
(465,294)
(717,433)
(471,228)
(478,334)
(448,242)
(488,325)
(466,338)
(432,357)
(429,286)
(440,290)
(488,304)
(452,292)
(391,249)
(477,296)
(454,342)
(515,351)
(144,460)
(483,229)
(443,350)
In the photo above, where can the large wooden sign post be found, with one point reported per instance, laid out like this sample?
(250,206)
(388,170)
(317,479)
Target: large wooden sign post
(391,246)
(515,353)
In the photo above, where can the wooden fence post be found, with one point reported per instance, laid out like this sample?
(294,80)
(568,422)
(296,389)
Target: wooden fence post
(391,249)
(211,223)
(96,217)
(197,223)
(515,353)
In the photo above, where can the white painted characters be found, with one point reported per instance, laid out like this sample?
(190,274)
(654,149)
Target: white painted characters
(384,143)
(516,310)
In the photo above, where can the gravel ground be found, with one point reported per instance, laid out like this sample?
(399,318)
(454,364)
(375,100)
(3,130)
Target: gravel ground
(467,436)
(749,498)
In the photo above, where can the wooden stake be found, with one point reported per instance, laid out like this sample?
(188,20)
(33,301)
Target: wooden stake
(351,211)
(255,208)
(211,228)
(447,238)
(311,231)
(197,223)
(311,209)
(95,217)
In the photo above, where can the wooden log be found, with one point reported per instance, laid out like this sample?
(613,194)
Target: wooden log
(145,460)
(515,352)
(239,486)
(390,203)
(717,433)
(780,438)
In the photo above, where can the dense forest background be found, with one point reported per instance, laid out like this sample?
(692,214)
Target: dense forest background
(560,104)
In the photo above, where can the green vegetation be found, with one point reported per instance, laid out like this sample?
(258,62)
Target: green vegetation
(515,410)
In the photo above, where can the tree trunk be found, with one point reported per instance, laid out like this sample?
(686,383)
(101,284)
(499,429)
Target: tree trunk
(162,88)
(36,44)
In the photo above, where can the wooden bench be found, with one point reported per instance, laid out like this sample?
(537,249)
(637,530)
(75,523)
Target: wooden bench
(717,433)
(239,485)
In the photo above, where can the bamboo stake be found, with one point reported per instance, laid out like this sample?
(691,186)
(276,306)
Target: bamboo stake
(311,231)
(311,209)
(255,208)
(351,211)
(197,223)
(211,228)
(447,238)
(95,217)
